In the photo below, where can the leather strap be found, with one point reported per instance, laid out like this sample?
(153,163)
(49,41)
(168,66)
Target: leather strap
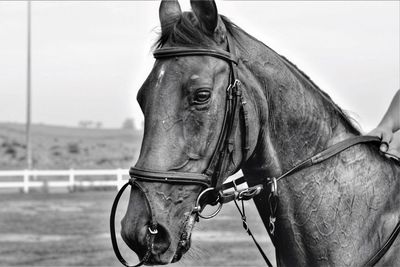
(250,233)
(242,194)
(378,255)
(169,177)
(169,52)
(330,152)
(246,134)
(339,147)
(321,156)
(150,237)
(225,146)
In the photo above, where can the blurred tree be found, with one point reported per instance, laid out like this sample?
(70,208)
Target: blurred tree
(85,124)
(128,123)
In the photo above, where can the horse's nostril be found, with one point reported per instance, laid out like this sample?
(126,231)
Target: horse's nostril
(162,240)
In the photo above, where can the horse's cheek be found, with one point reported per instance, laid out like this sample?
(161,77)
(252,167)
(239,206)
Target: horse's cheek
(198,129)
(192,129)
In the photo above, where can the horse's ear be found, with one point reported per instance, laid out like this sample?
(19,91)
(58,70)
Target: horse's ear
(169,12)
(207,14)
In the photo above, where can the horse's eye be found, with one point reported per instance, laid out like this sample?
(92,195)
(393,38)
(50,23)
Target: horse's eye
(202,96)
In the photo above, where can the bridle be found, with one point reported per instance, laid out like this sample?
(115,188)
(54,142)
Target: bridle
(215,173)
(216,192)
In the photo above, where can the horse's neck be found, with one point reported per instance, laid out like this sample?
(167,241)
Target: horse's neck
(333,208)
(298,120)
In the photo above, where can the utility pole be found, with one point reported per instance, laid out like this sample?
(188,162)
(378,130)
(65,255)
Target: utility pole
(28,91)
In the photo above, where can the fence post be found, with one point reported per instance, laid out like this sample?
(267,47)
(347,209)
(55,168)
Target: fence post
(71,180)
(26,181)
(119,179)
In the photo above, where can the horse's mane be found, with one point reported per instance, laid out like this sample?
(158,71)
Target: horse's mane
(184,32)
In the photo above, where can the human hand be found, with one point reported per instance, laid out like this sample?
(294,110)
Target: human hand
(386,136)
(394,147)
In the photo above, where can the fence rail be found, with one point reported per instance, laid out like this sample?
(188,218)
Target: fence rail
(71,183)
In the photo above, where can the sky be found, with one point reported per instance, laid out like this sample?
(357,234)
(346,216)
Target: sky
(89,58)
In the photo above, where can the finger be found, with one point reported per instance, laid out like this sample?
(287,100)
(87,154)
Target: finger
(392,153)
(375,132)
(384,147)
(385,141)
(386,137)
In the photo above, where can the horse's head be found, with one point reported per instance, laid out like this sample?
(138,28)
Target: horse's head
(183,101)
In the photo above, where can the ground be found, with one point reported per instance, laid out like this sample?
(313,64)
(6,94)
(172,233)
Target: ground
(71,229)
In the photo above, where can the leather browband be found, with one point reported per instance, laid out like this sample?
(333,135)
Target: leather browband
(192,51)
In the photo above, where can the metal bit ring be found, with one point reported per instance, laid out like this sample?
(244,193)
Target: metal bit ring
(198,207)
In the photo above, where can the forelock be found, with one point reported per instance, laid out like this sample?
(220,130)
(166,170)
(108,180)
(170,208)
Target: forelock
(184,32)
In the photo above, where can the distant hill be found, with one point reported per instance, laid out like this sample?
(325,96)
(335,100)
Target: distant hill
(57,147)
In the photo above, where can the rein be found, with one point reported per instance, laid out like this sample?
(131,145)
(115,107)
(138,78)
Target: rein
(215,191)
(271,184)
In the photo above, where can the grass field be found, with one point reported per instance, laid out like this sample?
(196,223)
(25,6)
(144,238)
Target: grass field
(59,147)
(71,229)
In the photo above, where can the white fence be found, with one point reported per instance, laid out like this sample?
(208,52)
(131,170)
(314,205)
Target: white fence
(70,183)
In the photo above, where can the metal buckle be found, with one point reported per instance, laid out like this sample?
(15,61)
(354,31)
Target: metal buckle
(241,194)
(198,209)
(245,225)
(236,82)
(272,201)
(274,187)
(233,85)
(153,232)
(249,193)
(272,221)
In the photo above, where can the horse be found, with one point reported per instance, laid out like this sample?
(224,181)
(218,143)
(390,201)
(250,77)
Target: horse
(218,100)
